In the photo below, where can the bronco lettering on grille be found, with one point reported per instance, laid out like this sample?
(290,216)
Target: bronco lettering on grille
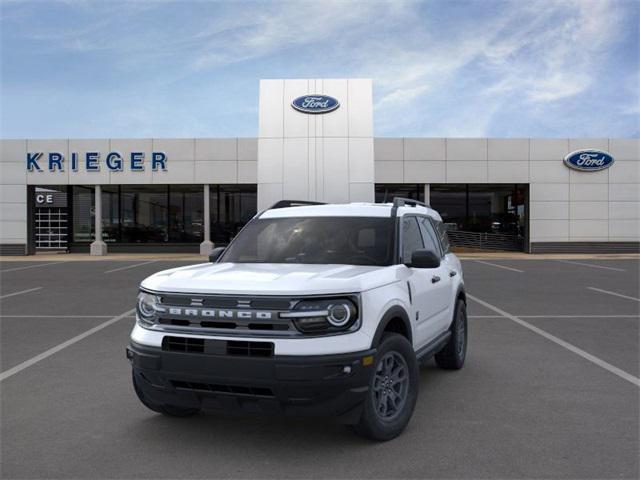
(219,314)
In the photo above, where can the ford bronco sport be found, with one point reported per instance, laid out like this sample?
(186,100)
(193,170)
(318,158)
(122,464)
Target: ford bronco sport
(312,309)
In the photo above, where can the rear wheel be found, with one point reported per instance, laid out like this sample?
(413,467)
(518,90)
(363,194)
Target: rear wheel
(452,356)
(170,410)
(393,390)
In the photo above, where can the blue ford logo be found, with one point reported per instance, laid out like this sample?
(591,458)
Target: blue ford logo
(588,160)
(315,104)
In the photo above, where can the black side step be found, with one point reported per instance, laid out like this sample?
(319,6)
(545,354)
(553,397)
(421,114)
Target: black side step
(434,346)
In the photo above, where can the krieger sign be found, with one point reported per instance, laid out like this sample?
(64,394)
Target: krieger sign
(91,161)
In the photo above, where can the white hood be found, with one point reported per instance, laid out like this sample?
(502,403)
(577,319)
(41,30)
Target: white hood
(270,278)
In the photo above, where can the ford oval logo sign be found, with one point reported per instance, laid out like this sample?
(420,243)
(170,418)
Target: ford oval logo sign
(315,104)
(588,160)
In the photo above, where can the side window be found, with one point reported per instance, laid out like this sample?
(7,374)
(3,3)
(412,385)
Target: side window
(411,238)
(431,241)
(442,233)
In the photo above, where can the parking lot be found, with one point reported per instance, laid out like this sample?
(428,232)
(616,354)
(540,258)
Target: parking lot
(550,388)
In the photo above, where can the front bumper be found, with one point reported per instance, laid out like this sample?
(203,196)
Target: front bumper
(327,385)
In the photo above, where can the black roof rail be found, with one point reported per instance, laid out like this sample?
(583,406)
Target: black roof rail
(294,203)
(403,202)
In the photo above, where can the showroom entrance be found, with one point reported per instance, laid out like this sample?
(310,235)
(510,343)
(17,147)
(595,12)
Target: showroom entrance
(51,219)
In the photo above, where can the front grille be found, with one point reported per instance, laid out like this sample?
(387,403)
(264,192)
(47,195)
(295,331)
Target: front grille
(226,314)
(229,315)
(217,347)
(228,389)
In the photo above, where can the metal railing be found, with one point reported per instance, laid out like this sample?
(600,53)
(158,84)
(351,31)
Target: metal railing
(483,240)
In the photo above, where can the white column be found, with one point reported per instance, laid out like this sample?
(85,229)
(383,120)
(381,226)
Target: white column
(206,246)
(98,247)
(427,193)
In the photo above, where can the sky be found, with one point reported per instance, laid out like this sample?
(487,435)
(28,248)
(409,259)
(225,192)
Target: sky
(93,69)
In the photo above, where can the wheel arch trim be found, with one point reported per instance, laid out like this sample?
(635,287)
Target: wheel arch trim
(392,313)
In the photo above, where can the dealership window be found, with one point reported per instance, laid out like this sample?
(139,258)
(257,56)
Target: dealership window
(110,213)
(162,213)
(82,199)
(144,213)
(186,213)
(386,192)
(487,209)
(232,206)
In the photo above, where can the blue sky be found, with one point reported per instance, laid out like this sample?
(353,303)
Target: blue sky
(92,69)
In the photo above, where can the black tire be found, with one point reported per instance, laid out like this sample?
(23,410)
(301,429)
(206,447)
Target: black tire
(379,425)
(452,356)
(169,410)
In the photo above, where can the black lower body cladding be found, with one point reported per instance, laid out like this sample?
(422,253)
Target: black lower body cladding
(327,385)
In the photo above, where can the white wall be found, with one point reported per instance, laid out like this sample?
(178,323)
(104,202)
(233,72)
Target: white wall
(323,157)
(565,204)
(13,192)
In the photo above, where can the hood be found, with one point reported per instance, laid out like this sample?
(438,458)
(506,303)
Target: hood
(270,278)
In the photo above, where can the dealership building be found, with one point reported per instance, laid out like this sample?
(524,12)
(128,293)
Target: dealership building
(315,143)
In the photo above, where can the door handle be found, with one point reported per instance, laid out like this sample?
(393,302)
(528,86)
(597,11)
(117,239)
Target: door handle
(453,273)
(435,279)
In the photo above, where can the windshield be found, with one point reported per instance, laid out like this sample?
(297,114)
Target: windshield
(344,240)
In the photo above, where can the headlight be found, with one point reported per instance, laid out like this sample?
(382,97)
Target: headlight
(147,308)
(324,315)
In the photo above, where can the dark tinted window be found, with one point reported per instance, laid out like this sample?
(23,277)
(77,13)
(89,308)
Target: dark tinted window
(442,233)
(411,238)
(429,236)
(341,240)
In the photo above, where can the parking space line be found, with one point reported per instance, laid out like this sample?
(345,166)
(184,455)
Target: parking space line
(572,348)
(19,293)
(130,266)
(60,316)
(552,316)
(27,363)
(499,266)
(613,293)
(578,316)
(33,266)
(592,266)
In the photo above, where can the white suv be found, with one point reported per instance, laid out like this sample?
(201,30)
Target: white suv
(312,309)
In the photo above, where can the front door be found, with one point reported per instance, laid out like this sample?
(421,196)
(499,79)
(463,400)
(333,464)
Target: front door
(429,286)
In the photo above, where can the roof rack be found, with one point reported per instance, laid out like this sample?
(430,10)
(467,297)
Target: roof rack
(294,203)
(401,202)
(404,202)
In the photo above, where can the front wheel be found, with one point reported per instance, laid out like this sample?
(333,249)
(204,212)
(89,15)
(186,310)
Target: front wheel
(393,390)
(452,356)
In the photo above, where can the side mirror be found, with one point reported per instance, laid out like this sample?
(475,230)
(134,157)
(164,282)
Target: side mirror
(424,259)
(216,253)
